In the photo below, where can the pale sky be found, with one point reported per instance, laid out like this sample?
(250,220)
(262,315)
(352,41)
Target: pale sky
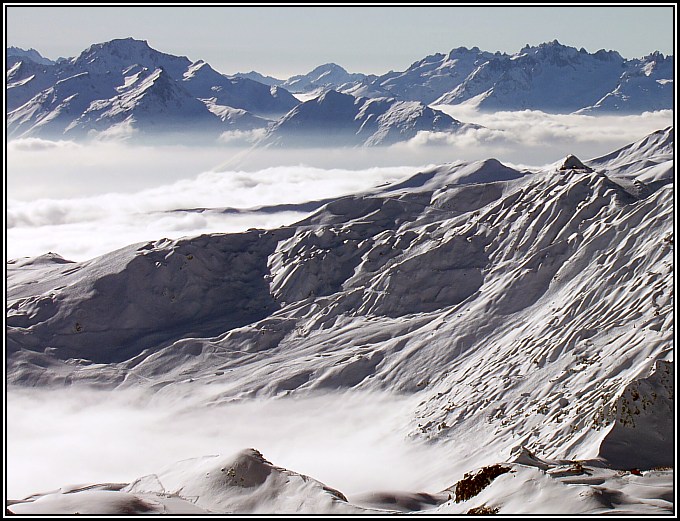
(282,41)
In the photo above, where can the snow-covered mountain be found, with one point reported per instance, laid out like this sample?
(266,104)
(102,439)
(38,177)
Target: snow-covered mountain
(203,82)
(647,84)
(342,119)
(528,313)
(127,83)
(324,77)
(430,78)
(256,76)
(551,77)
(30,54)
(88,95)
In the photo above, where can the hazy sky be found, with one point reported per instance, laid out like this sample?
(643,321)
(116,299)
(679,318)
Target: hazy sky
(283,41)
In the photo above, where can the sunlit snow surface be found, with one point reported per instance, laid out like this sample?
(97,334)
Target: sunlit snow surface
(517,317)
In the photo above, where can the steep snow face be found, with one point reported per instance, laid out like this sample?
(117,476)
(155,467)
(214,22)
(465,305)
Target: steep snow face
(25,79)
(530,314)
(647,161)
(52,111)
(327,76)
(341,119)
(154,104)
(124,86)
(187,272)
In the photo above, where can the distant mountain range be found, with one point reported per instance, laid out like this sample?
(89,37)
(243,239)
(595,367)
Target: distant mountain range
(124,87)
(323,77)
(550,77)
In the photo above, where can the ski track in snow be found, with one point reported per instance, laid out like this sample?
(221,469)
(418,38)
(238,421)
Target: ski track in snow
(527,314)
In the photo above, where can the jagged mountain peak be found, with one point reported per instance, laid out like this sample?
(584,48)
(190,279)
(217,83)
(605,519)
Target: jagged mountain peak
(463,50)
(30,54)
(117,77)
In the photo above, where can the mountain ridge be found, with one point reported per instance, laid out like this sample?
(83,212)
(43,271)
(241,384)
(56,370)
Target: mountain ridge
(550,77)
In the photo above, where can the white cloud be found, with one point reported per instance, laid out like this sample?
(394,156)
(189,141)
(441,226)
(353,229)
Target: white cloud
(34,144)
(84,227)
(241,137)
(84,200)
(535,128)
(119,132)
(351,441)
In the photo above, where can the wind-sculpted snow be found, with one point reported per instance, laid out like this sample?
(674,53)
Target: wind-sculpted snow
(114,307)
(530,312)
(244,483)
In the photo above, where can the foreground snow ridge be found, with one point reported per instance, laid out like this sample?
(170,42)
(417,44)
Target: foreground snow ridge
(246,483)
(529,314)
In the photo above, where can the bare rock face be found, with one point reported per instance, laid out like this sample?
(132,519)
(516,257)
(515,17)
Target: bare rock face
(574,163)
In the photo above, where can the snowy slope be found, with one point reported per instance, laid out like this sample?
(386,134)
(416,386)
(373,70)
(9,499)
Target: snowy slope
(526,312)
(204,82)
(646,84)
(25,79)
(430,78)
(246,483)
(125,86)
(341,119)
(551,77)
(243,483)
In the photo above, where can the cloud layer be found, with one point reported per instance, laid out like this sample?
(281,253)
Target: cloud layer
(84,227)
(87,436)
(84,200)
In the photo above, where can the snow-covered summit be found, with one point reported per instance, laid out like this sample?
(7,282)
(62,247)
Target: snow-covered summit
(114,56)
(327,76)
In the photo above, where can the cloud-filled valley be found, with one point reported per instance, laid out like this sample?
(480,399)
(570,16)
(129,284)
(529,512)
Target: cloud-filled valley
(82,200)
(351,441)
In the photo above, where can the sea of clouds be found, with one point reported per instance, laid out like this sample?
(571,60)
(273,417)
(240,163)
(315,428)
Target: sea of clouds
(83,200)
